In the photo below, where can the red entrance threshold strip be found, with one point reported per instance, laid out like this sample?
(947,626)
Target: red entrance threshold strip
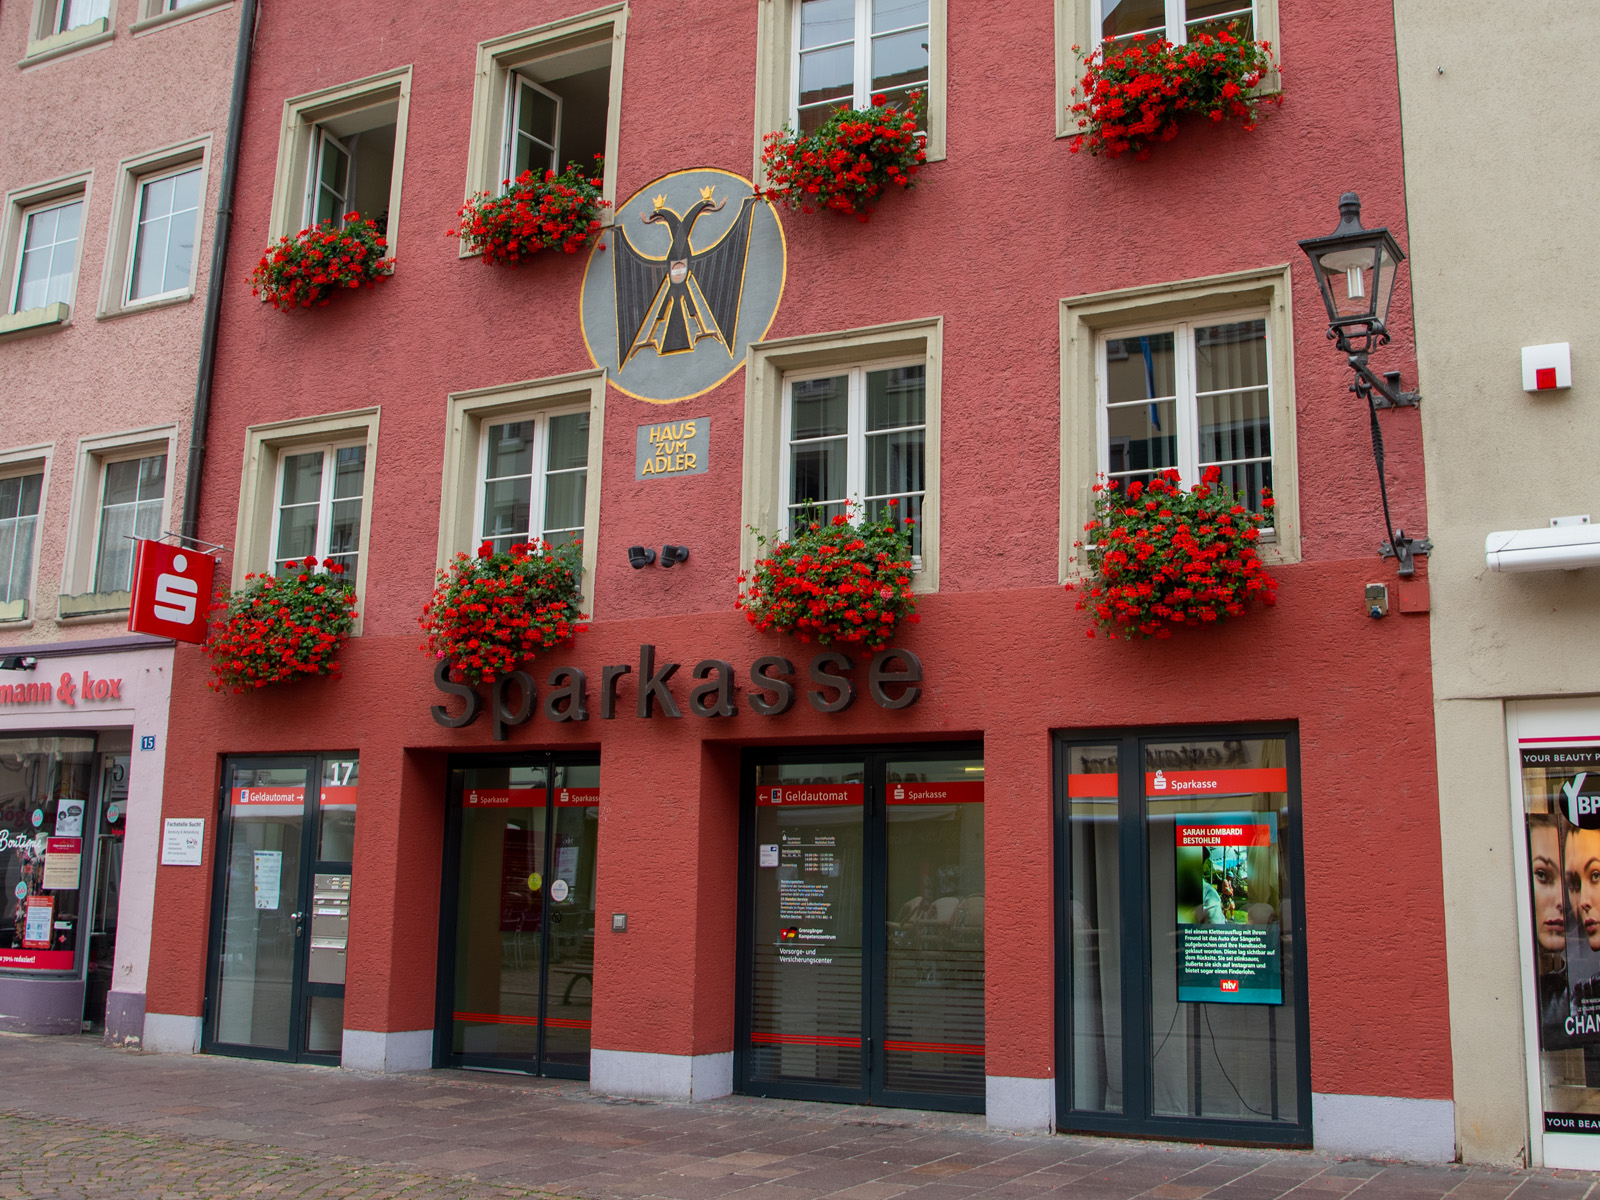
(511,1019)
(804,1039)
(935,1047)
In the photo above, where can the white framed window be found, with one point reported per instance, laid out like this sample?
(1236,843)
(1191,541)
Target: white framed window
(533,128)
(342,150)
(857,435)
(1175,21)
(1189,396)
(847,51)
(71,14)
(164,227)
(133,495)
(533,478)
(19,519)
(320,492)
(47,255)
(546,97)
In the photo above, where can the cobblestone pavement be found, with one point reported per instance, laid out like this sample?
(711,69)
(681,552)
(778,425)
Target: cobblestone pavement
(81,1120)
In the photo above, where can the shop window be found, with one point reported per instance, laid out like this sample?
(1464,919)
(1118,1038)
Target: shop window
(307,491)
(814,56)
(1184,1013)
(522,461)
(846,416)
(320,490)
(857,444)
(1183,377)
(44,794)
(546,97)
(1086,23)
(157,214)
(20,497)
(341,151)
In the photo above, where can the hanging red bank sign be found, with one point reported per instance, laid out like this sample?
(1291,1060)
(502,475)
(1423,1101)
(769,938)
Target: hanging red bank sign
(171,591)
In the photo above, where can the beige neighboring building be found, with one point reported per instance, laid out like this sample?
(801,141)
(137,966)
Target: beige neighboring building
(1501,118)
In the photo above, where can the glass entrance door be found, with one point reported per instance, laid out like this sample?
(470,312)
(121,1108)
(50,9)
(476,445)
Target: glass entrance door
(281,908)
(517,965)
(1183,991)
(861,928)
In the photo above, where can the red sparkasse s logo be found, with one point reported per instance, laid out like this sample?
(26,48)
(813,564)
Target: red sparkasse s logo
(171,589)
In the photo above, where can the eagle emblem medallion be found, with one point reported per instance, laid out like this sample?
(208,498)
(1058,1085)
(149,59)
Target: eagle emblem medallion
(690,273)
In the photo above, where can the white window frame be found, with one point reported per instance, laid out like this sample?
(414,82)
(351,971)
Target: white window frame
(27,215)
(1186,400)
(104,463)
(26,467)
(1177,20)
(539,457)
(515,82)
(325,499)
(855,438)
(862,45)
(314,187)
(63,7)
(141,184)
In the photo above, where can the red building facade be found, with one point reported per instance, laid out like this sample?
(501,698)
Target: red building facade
(977,900)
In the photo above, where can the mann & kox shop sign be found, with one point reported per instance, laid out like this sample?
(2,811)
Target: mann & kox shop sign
(893,680)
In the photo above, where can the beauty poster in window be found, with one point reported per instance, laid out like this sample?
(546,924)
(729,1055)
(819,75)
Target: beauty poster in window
(1229,949)
(1561,798)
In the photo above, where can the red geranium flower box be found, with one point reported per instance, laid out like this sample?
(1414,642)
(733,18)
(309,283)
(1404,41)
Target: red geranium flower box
(308,268)
(536,211)
(1163,558)
(281,627)
(849,161)
(496,609)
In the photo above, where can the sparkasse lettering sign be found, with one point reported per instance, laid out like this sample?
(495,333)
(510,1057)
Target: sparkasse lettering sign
(893,681)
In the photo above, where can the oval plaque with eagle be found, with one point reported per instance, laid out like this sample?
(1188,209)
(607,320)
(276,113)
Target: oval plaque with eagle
(689,275)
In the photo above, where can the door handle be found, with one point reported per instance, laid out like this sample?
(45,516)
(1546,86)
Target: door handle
(299,923)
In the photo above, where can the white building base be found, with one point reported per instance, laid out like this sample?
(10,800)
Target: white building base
(1017,1103)
(1384,1127)
(660,1076)
(387,1053)
(168,1033)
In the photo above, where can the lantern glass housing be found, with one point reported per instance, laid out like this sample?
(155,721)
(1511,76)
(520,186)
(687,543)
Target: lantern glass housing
(1355,271)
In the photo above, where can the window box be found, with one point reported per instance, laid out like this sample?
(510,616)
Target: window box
(1083,24)
(58,41)
(93,604)
(540,209)
(309,268)
(849,160)
(35,319)
(281,627)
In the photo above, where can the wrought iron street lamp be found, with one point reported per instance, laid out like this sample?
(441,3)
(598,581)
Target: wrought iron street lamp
(1355,270)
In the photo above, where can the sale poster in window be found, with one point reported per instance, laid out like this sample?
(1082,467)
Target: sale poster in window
(1229,944)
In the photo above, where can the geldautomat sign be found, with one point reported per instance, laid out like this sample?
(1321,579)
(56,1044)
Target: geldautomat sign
(893,679)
